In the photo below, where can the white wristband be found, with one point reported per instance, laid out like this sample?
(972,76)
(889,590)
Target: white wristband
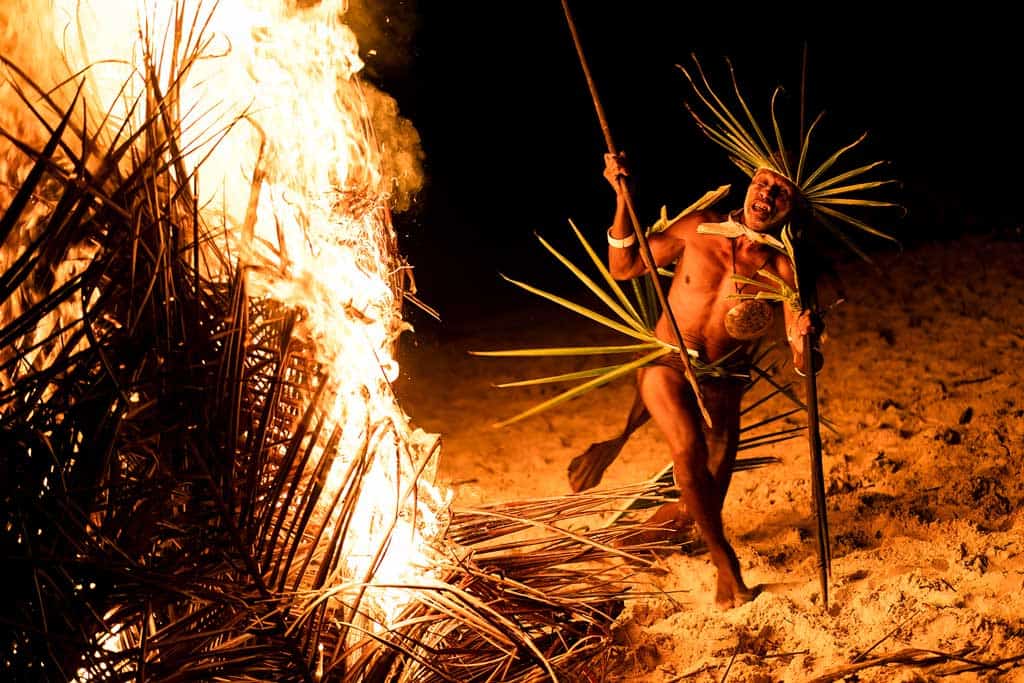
(624,243)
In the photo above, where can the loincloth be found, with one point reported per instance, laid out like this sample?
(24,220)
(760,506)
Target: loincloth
(733,366)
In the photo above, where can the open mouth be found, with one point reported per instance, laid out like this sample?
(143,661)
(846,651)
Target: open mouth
(761,210)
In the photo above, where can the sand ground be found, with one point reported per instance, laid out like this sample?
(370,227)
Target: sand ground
(923,383)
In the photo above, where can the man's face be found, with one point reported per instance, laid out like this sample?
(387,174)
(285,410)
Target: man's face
(770,199)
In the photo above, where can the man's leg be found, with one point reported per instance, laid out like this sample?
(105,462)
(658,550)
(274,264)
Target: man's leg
(668,397)
(722,398)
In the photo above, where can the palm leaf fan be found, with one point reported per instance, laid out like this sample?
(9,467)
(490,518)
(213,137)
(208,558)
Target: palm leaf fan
(630,316)
(635,314)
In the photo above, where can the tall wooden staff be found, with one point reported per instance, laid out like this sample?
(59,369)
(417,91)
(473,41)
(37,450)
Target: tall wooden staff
(806,277)
(808,301)
(645,249)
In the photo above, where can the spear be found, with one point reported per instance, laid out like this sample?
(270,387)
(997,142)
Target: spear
(645,248)
(807,286)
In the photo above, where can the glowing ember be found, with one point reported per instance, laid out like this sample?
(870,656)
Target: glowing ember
(280,130)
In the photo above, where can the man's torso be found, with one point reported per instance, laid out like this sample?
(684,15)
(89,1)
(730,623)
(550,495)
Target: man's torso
(703,289)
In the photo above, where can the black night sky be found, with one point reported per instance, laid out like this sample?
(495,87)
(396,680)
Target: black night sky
(512,143)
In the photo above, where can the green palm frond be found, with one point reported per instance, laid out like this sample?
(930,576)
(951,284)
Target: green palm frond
(815,189)
(806,145)
(837,198)
(780,292)
(851,220)
(637,332)
(612,373)
(571,350)
(565,377)
(625,312)
(779,143)
(612,283)
(831,161)
(706,201)
(647,298)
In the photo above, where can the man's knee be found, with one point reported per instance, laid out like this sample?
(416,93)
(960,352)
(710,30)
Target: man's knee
(690,468)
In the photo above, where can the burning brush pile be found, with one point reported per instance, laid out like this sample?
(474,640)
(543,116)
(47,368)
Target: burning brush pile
(206,474)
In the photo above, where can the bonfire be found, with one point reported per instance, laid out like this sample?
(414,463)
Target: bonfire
(207,474)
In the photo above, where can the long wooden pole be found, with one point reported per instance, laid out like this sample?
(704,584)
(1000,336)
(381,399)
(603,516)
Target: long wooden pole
(645,248)
(814,445)
(808,300)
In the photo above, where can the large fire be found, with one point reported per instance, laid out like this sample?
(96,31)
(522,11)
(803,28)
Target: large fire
(278,130)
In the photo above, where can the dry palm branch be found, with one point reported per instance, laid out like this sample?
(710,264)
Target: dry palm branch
(164,447)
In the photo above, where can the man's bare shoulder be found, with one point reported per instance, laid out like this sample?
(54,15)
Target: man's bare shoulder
(687,225)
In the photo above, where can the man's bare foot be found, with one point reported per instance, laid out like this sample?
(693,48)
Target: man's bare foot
(669,525)
(733,593)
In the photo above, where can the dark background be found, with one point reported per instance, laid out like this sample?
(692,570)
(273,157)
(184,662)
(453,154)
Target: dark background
(513,147)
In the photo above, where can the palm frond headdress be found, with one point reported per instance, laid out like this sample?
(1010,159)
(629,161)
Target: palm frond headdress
(832,195)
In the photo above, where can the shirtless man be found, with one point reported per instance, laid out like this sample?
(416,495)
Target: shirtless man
(699,296)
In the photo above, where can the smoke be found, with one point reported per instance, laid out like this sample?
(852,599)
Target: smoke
(403,153)
(385,30)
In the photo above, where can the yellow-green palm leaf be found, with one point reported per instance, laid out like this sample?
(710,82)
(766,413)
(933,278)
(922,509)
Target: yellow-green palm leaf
(734,127)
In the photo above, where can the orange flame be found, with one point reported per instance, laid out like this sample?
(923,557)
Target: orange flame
(274,95)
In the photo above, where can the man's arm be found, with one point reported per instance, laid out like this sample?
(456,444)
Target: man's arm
(624,259)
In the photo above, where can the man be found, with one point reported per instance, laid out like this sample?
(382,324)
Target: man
(708,248)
